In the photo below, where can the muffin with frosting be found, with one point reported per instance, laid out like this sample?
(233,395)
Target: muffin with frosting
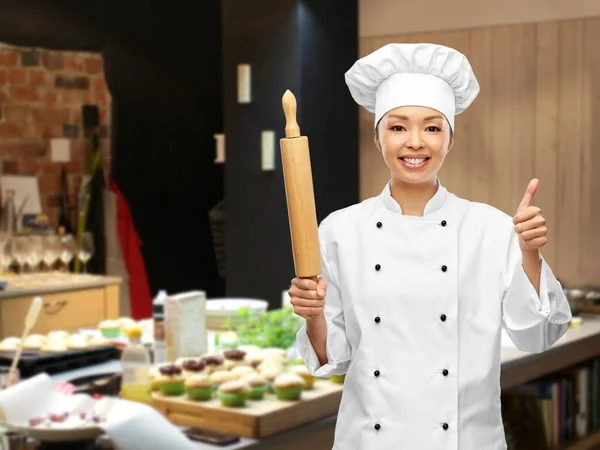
(55,346)
(124,323)
(214,362)
(270,373)
(233,393)
(57,334)
(234,358)
(221,376)
(275,352)
(77,342)
(192,366)
(242,370)
(258,385)
(255,358)
(9,344)
(98,341)
(170,380)
(268,364)
(249,349)
(110,329)
(303,372)
(199,387)
(34,342)
(288,386)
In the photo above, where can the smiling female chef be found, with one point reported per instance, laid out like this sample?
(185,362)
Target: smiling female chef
(417,283)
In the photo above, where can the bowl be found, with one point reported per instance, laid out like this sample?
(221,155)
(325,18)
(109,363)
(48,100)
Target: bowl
(218,310)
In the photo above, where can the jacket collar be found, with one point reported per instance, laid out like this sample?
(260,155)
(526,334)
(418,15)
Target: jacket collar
(435,204)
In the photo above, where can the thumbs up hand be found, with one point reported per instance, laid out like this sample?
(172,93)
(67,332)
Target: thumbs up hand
(529,223)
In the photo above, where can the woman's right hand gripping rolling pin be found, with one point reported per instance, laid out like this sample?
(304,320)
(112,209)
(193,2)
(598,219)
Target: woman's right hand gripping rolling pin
(308,297)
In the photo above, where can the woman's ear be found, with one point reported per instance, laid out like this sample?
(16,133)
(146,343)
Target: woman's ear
(450,144)
(376,140)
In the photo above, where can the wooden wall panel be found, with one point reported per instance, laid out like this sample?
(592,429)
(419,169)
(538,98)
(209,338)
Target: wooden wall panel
(590,179)
(535,117)
(546,129)
(570,143)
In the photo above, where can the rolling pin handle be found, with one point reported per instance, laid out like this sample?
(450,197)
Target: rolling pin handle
(288,101)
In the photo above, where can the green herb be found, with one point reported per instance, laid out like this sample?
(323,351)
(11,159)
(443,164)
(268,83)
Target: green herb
(276,328)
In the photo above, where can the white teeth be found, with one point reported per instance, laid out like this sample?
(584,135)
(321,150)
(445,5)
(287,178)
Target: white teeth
(414,161)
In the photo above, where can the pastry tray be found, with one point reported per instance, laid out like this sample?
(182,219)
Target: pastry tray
(31,362)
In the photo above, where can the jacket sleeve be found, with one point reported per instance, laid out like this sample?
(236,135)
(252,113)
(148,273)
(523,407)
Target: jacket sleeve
(337,345)
(533,322)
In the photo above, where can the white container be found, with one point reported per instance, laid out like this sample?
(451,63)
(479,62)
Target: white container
(185,325)
(218,310)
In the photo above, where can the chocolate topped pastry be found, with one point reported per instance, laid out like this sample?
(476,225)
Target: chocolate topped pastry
(234,355)
(213,360)
(170,369)
(194,365)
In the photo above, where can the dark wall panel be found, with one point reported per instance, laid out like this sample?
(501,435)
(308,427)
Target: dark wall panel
(305,47)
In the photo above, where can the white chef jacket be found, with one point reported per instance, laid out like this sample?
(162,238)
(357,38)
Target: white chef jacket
(414,309)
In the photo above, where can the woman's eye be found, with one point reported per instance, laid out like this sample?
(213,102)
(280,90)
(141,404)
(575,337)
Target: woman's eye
(397,128)
(433,129)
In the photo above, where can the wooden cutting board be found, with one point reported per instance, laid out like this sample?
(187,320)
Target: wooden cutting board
(258,418)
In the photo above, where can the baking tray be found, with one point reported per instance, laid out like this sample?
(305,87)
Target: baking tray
(33,363)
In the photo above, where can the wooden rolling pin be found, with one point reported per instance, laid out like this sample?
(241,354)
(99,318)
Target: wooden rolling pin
(300,196)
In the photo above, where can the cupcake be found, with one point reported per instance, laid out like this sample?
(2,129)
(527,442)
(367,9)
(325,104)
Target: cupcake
(274,352)
(170,380)
(110,329)
(10,344)
(338,379)
(34,342)
(258,385)
(255,358)
(270,373)
(303,372)
(233,393)
(59,334)
(199,387)
(193,366)
(242,370)
(288,386)
(124,323)
(249,349)
(221,376)
(77,342)
(214,362)
(270,364)
(153,374)
(235,358)
(98,341)
(55,346)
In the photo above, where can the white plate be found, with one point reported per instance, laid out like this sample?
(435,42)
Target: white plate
(58,434)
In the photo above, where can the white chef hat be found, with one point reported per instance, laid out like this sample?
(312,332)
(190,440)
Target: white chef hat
(428,75)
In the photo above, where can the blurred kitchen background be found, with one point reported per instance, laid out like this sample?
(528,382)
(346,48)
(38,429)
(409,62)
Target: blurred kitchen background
(139,142)
(180,138)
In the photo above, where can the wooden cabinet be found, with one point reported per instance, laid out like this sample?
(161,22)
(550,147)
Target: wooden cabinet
(67,310)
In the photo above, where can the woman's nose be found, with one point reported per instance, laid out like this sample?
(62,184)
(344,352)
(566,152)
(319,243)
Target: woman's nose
(415,140)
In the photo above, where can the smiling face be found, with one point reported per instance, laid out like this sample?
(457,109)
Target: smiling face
(414,141)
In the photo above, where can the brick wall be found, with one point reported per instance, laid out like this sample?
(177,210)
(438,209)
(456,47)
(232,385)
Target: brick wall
(41,94)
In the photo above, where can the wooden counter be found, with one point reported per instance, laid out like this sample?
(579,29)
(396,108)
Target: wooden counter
(71,301)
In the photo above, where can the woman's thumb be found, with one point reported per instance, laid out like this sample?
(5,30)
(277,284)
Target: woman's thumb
(322,287)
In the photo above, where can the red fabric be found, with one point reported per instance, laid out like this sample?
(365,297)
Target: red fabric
(139,289)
